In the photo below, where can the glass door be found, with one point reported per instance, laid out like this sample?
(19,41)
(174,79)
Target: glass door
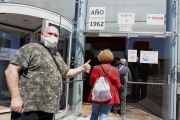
(11,40)
(151,61)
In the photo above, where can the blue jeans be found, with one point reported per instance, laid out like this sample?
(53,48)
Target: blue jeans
(101,111)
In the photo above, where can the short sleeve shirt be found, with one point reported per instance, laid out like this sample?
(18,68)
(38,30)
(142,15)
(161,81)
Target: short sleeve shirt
(40,82)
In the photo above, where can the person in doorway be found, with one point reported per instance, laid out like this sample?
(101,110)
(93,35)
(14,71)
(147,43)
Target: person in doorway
(36,92)
(121,66)
(102,109)
(116,62)
(139,74)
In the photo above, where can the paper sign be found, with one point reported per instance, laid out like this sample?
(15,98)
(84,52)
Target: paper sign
(96,24)
(97,12)
(125,28)
(126,18)
(155,19)
(132,55)
(7,53)
(149,57)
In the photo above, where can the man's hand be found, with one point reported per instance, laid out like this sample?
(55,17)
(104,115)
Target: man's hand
(87,67)
(16,105)
(139,80)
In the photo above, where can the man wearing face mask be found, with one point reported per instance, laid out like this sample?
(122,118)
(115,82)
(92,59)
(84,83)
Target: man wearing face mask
(36,92)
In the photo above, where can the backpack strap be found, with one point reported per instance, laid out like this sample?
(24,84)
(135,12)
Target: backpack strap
(108,76)
(121,67)
(105,71)
(98,71)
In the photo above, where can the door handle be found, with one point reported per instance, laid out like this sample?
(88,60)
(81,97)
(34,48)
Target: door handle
(168,80)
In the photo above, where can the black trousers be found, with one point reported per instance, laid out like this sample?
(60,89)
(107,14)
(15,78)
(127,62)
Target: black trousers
(33,115)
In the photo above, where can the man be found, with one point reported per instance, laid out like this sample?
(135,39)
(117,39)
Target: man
(122,93)
(139,74)
(36,92)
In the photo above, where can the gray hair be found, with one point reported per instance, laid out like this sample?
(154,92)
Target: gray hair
(123,60)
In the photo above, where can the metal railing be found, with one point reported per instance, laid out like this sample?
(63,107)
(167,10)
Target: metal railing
(146,83)
(65,82)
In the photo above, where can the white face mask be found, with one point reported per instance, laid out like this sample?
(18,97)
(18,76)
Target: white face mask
(50,42)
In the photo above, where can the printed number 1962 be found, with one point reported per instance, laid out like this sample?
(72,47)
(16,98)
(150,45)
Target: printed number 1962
(96,23)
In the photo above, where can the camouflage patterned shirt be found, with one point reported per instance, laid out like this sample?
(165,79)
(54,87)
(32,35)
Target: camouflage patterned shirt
(40,82)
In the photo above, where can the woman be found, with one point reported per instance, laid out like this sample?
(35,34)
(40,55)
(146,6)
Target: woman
(102,109)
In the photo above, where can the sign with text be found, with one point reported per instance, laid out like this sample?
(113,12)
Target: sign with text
(155,19)
(97,12)
(132,55)
(126,18)
(7,53)
(125,27)
(96,24)
(149,57)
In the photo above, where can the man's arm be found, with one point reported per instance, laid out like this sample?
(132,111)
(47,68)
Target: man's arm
(73,72)
(12,78)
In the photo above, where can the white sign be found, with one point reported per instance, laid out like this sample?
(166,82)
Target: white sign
(155,19)
(7,53)
(97,12)
(96,24)
(149,57)
(126,18)
(132,55)
(125,27)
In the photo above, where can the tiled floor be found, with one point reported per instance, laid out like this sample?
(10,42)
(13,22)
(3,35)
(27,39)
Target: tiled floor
(133,111)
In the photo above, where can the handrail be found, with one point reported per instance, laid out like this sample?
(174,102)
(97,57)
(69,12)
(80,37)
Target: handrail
(65,82)
(146,83)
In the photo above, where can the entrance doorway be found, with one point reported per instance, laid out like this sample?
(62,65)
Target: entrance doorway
(11,39)
(143,101)
(24,26)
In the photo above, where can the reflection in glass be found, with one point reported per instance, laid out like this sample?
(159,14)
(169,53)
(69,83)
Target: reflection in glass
(37,37)
(10,42)
(151,97)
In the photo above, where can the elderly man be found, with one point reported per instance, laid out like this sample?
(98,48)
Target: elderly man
(36,92)
(122,93)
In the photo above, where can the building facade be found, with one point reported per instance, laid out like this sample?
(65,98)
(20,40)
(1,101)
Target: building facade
(147,29)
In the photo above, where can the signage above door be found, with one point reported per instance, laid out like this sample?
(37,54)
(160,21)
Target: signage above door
(97,18)
(155,19)
(97,12)
(126,18)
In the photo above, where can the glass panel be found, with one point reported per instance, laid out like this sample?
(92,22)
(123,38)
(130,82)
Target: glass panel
(10,42)
(37,37)
(152,98)
(27,40)
(74,87)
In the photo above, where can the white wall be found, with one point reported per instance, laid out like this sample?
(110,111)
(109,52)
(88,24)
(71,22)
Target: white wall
(139,7)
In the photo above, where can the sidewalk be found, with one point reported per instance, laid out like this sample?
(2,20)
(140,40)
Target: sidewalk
(87,117)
